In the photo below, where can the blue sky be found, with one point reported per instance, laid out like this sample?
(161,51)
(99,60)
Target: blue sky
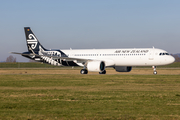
(64,24)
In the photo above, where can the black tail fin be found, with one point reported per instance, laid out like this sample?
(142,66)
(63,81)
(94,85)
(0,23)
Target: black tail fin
(33,43)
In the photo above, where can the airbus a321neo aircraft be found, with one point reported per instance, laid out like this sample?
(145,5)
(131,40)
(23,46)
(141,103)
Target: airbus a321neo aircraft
(96,60)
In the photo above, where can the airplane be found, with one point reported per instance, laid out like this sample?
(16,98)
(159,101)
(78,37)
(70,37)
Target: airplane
(96,60)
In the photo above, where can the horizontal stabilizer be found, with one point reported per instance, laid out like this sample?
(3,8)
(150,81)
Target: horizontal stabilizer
(25,54)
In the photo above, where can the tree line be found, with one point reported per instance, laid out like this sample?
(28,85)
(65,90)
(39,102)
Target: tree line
(10,59)
(13,59)
(177,57)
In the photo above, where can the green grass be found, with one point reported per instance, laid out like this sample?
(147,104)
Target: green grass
(89,97)
(41,65)
(26,65)
(173,65)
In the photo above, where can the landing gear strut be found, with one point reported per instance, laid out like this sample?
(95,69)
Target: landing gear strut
(83,71)
(154,68)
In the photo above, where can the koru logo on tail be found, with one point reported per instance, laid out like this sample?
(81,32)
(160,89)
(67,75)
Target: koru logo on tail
(32,41)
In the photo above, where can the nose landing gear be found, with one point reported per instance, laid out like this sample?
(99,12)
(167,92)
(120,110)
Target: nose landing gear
(154,68)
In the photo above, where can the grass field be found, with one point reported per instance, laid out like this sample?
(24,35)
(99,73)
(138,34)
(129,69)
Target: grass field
(36,94)
(26,65)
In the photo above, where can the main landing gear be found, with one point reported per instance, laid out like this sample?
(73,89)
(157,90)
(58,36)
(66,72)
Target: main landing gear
(84,71)
(154,68)
(103,72)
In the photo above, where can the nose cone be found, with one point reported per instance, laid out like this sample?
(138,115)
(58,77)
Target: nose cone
(171,59)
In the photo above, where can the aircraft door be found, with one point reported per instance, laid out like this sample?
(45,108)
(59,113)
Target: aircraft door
(151,54)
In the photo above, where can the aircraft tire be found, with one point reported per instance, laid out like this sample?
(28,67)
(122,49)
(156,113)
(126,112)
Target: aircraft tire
(155,72)
(83,71)
(103,72)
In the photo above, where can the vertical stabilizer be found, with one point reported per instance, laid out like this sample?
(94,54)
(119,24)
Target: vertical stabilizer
(33,43)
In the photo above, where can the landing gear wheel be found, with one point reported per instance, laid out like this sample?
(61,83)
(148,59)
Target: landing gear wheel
(155,72)
(103,72)
(154,68)
(83,71)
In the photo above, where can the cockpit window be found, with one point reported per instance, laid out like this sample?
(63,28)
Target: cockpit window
(163,53)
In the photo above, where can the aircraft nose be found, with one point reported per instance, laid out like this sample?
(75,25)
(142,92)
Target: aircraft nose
(171,59)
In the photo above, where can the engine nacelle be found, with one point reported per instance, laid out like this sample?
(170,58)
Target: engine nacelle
(96,66)
(123,68)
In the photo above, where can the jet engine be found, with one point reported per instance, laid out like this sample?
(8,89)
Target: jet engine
(96,66)
(123,68)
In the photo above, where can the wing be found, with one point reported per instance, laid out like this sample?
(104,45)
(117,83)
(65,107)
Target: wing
(76,60)
(79,61)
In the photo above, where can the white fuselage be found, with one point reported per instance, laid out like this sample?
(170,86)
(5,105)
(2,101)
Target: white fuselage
(123,57)
(96,60)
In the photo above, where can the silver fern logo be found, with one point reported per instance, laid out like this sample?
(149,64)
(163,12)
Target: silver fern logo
(32,41)
(47,56)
